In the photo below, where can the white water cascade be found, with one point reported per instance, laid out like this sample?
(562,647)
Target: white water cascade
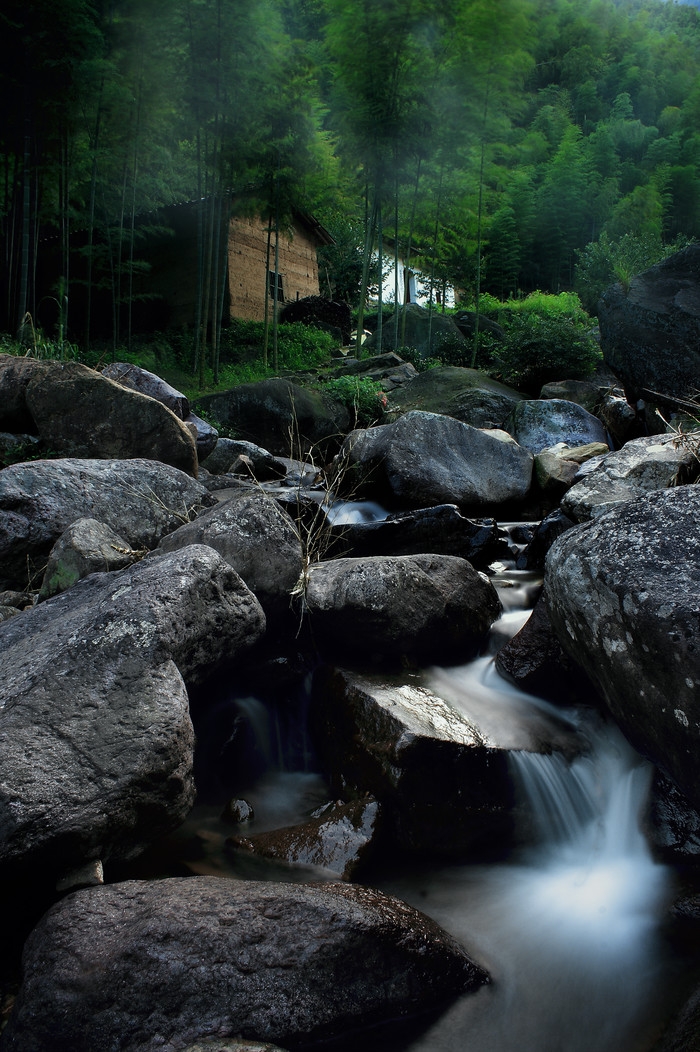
(568,928)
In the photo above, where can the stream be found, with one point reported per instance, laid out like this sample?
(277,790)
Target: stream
(568,926)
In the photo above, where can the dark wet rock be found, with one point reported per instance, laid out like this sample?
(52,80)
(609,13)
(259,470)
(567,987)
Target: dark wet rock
(400,608)
(86,547)
(424,459)
(15,374)
(465,394)
(238,811)
(263,466)
(673,824)
(95,732)
(619,418)
(341,840)
(140,500)
(584,392)
(624,596)
(205,434)
(77,412)
(538,424)
(439,769)
(257,538)
(650,331)
(138,379)
(544,536)
(535,661)
(278,415)
(231,1044)
(641,466)
(466,322)
(279,963)
(442,530)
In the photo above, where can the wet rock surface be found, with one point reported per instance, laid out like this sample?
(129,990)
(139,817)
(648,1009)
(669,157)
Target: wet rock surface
(95,730)
(141,500)
(438,768)
(540,423)
(277,963)
(423,459)
(624,595)
(642,465)
(412,607)
(257,537)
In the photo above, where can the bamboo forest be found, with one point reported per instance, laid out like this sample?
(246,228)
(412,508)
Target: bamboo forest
(516,145)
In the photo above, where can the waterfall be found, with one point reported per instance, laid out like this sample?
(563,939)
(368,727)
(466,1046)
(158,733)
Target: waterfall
(568,927)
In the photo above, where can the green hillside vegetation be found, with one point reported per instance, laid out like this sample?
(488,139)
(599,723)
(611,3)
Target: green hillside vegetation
(505,148)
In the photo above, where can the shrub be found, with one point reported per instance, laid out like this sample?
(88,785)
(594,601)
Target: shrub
(539,348)
(362,396)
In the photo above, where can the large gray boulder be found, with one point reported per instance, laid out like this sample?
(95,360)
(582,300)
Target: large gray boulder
(538,424)
(623,597)
(466,394)
(424,459)
(411,607)
(428,331)
(142,966)
(86,547)
(141,500)
(641,466)
(77,412)
(15,375)
(278,415)
(138,379)
(95,732)
(650,330)
(433,750)
(257,537)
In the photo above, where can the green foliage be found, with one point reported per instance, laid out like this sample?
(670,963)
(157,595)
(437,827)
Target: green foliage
(362,396)
(546,338)
(606,261)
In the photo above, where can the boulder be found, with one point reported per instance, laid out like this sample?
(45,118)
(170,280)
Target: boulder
(428,331)
(95,732)
(537,424)
(86,547)
(433,750)
(536,663)
(388,369)
(642,465)
(205,435)
(15,375)
(255,536)
(338,840)
(442,530)
(278,415)
(407,607)
(329,315)
(466,394)
(623,596)
(650,330)
(544,536)
(619,418)
(138,379)
(583,392)
(79,413)
(263,466)
(141,966)
(141,500)
(424,459)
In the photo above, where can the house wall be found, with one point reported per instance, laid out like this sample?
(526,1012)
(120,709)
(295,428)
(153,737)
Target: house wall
(247,258)
(419,287)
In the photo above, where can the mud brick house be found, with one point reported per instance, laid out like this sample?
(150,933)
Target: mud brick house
(172,257)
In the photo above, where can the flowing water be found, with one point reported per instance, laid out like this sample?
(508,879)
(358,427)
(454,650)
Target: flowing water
(568,927)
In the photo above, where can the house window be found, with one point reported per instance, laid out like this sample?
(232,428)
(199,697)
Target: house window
(271,286)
